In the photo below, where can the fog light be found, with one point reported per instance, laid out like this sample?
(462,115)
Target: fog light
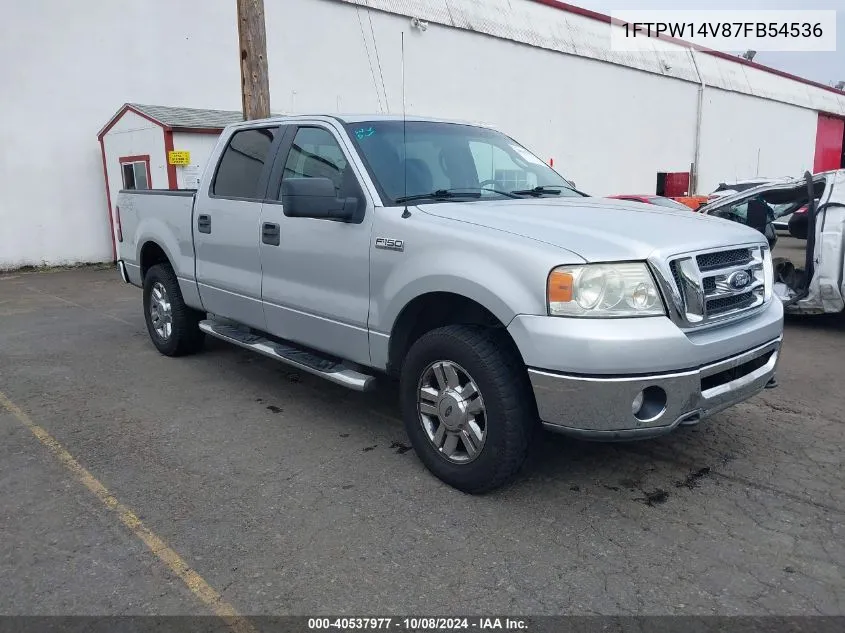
(637,404)
(649,404)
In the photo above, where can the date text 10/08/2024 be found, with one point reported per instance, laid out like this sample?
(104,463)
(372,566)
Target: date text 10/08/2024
(418,623)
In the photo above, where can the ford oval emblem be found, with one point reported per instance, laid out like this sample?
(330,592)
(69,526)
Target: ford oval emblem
(739,280)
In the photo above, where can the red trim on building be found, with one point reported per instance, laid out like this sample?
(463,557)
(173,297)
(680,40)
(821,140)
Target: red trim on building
(108,201)
(171,169)
(126,108)
(145,158)
(601,17)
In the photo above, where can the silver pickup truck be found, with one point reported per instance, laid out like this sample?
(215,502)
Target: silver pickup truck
(451,257)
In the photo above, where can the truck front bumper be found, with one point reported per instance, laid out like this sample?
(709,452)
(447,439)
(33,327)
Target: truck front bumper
(589,375)
(603,408)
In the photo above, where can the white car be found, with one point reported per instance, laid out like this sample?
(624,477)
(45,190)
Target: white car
(730,188)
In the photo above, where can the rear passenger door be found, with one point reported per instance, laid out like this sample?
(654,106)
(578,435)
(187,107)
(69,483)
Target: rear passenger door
(226,227)
(316,284)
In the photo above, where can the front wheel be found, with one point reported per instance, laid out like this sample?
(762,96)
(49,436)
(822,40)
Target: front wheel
(468,406)
(173,326)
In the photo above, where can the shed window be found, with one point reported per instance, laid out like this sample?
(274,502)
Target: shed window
(135,175)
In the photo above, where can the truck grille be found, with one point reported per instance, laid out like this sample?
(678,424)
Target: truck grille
(723,304)
(720,259)
(718,284)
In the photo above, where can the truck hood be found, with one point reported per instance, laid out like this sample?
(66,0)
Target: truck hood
(600,229)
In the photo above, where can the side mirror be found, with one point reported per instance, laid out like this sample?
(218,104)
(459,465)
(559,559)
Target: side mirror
(316,198)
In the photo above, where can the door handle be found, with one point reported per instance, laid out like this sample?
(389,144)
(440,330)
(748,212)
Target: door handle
(204,223)
(270,234)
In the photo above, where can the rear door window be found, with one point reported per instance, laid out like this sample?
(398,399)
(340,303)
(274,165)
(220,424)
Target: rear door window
(242,164)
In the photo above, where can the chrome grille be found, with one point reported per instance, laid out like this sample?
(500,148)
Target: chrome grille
(715,285)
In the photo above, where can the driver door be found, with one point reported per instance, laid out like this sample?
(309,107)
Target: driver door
(316,271)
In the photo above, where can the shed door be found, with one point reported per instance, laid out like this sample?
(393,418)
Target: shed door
(829,135)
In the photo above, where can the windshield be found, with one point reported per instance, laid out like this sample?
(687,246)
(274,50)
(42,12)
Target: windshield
(453,158)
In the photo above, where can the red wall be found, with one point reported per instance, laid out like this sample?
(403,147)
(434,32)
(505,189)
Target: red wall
(829,143)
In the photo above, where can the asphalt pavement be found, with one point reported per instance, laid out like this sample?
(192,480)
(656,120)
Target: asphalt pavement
(284,494)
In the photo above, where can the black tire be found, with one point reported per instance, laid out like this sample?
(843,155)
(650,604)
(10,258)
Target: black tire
(185,336)
(511,412)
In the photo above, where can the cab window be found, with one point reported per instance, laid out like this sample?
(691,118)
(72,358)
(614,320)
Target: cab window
(242,164)
(315,153)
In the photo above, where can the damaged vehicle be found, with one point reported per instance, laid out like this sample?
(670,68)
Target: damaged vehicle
(808,264)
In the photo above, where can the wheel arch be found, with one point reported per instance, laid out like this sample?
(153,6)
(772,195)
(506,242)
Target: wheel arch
(150,254)
(432,310)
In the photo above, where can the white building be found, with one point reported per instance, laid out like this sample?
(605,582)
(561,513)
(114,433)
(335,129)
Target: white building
(537,69)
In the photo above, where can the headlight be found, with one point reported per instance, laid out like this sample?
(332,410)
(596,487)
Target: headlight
(603,290)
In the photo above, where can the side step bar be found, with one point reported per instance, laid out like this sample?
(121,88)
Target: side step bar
(336,371)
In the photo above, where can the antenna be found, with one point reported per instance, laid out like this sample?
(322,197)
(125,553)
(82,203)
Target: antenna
(405,213)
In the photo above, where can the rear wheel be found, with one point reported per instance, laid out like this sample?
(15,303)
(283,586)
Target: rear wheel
(468,406)
(172,325)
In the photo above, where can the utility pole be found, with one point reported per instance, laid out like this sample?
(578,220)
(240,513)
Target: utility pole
(255,81)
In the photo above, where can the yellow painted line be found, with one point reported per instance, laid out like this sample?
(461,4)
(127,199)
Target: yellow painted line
(198,586)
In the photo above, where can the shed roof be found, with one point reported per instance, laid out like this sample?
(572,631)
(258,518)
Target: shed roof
(170,116)
(177,119)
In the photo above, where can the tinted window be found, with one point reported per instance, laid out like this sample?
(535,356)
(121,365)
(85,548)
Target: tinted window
(242,163)
(315,153)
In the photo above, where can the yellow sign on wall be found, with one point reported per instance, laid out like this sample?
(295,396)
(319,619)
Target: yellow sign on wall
(178,157)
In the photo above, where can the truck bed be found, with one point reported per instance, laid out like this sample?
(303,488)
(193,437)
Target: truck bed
(160,214)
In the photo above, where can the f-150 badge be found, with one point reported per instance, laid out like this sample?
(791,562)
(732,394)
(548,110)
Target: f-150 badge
(389,244)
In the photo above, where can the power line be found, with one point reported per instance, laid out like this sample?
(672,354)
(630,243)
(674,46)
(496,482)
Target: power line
(369,59)
(378,59)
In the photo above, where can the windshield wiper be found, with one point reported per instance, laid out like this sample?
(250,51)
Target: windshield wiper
(538,191)
(440,194)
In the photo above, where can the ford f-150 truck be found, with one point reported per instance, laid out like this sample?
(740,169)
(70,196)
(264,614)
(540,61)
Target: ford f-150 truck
(451,257)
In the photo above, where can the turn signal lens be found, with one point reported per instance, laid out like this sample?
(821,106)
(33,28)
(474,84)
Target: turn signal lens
(560,287)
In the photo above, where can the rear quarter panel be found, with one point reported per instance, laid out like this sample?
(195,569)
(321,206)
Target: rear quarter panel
(165,218)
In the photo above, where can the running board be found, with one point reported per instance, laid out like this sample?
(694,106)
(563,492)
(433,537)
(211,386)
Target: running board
(337,372)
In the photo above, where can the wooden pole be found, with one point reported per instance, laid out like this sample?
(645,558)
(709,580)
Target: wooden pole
(255,81)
